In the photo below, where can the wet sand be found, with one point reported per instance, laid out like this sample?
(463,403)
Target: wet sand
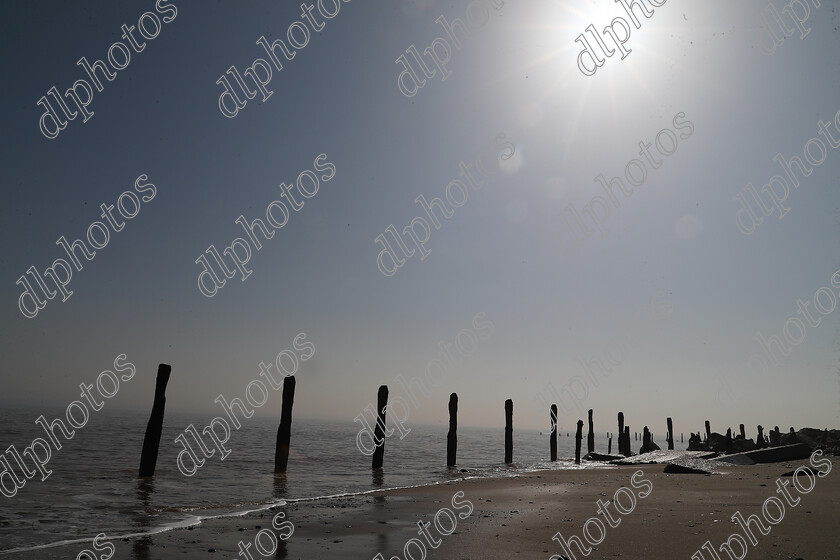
(517,517)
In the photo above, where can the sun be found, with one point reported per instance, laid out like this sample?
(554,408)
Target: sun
(598,12)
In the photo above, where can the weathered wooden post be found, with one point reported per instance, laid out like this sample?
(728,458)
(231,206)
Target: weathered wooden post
(728,441)
(284,431)
(509,431)
(609,445)
(759,439)
(621,433)
(627,451)
(681,438)
(708,431)
(590,438)
(775,437)
(670,433)
(452,436)
(553,440)
(379,430)
(647,438)
(151,441)
(743,433)
(578,440)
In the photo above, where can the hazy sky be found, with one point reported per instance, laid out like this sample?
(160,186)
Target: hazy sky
(674,282)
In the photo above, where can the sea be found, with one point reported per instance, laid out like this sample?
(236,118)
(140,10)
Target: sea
(94,486)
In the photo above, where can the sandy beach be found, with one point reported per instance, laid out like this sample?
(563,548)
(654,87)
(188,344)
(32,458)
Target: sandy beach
(518,516)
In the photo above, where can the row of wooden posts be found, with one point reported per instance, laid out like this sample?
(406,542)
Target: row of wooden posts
(151,441)
(452,434)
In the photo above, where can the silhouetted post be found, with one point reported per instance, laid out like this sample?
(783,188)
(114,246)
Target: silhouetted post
(452,436)
(151,441)
(743,433)
(609,446)
(284,431)
(578,440)
(509,431)
(621,433)
(590,438)
(627,451)
(379,430)
(681,438)
(728,441)
(759,440)
(670,433)
(708,431)
(553,441)
(646,439)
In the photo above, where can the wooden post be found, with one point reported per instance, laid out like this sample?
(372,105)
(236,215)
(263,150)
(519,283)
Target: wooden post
(379,430)
(509,431)
(627,451)
(670,433)
(621,433)
(708,431)
(590,438)
(681,438)
(553,441)
(743,433)
(609,446)
(452,436)
(728,441)
(151,441)
(578,440)
(647,438)
(759,439)
(284,431)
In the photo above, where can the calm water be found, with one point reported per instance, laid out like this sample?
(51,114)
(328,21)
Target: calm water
(94,486)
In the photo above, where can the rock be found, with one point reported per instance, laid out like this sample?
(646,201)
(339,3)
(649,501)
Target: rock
(717,442)
(672,468)
(789,438)
(694,443)
(647,443)
(602,457)
(742,445)
(771,454)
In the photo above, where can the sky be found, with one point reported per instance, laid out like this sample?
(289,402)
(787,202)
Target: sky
(675,291)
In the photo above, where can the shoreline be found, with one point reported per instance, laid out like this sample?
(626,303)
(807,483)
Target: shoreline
(519,514)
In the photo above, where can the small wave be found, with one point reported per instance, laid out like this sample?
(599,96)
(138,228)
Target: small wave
(190,521)
(195,515)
